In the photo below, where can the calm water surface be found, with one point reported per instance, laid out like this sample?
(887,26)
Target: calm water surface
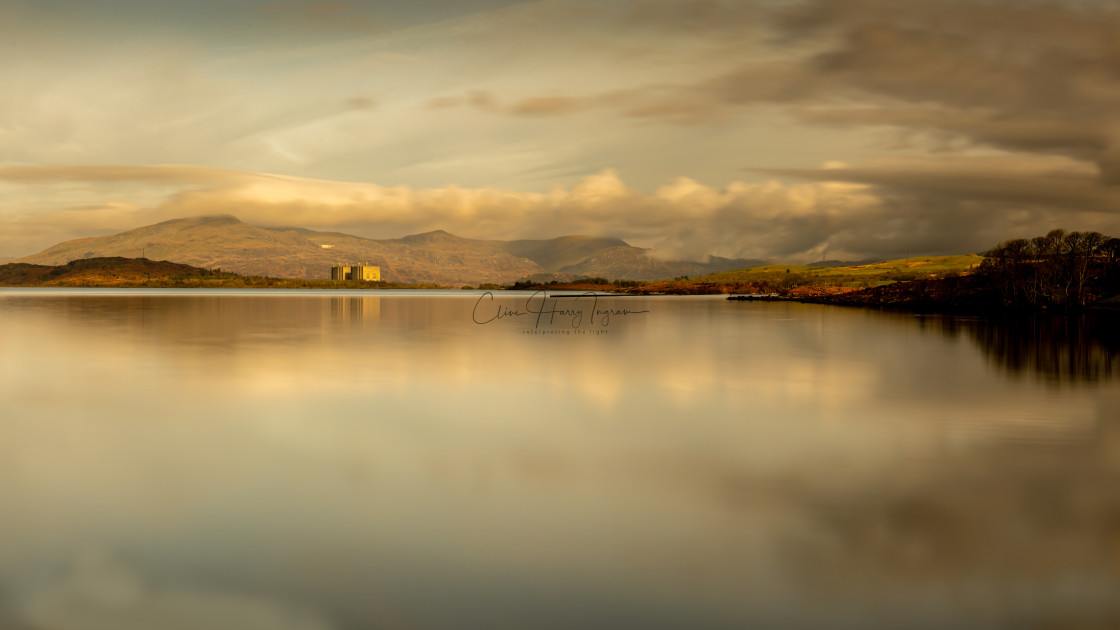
(345,460)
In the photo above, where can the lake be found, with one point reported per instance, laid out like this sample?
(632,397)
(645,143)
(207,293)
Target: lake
(428,460)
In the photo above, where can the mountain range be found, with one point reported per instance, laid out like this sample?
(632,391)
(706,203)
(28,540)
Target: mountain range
(225,242)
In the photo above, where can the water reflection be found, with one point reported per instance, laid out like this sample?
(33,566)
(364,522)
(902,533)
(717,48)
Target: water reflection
(1060,349)
(347,461)
(97,590)
(1023,534)
(356,310)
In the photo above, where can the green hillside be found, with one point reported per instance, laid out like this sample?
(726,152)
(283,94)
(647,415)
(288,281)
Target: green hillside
(872,274)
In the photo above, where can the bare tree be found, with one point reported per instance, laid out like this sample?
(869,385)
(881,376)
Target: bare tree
(1082,249)
(1050,269)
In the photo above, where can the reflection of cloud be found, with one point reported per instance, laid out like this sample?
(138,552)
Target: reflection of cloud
(1007,519)
(682,457)
(100,592)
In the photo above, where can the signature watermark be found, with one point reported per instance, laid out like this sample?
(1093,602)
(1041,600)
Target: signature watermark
(553,314)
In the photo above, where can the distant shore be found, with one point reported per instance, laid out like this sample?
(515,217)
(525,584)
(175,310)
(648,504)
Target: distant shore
(139,273)
(947,290)
(965,295)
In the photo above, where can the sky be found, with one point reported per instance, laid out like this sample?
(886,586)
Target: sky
(794,130)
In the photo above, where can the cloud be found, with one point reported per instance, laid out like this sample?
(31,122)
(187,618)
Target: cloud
(546,106)
(683,219)
(444,102)
(361,103)
(1035,77)
(470,93)
(704,17)
(1044,182)
(1023,95)
(917,206)
(971,201)
(326,15)
(158,174)
(966,123)
(704,103)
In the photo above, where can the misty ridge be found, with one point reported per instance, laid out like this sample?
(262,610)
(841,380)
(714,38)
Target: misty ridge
(1061,269)
(435,257)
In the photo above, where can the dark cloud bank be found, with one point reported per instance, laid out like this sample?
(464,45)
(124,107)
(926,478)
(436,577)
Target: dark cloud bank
(992,119)
(1012,103)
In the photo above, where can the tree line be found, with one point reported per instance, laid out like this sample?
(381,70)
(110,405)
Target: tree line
(1058,268)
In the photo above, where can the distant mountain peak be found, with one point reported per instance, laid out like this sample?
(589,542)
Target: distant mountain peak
(435,236)
(206,219)
(435,257)
(215,219)
(602,241)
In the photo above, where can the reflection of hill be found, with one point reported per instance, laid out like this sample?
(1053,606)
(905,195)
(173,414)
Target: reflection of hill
(223,321)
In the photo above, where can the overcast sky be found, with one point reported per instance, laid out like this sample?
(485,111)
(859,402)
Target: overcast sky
(755,128)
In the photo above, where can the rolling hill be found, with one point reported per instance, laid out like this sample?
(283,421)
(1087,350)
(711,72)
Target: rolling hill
(437,257)
(884,272)
(97,272)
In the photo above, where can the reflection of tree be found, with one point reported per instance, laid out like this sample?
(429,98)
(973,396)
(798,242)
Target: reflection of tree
(1058,348)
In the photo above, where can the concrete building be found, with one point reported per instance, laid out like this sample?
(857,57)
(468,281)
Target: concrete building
(370,273)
